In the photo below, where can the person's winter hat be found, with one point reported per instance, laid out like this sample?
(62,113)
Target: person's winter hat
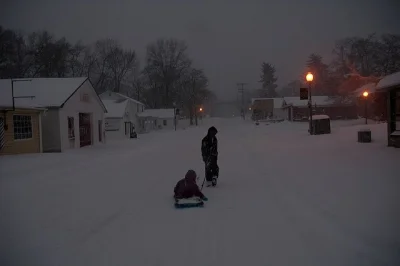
(211,129)
(191,175)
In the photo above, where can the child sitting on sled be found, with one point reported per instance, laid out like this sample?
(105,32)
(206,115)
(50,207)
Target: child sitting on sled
(187,188)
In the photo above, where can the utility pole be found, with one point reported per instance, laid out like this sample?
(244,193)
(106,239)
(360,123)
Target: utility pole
(241,90)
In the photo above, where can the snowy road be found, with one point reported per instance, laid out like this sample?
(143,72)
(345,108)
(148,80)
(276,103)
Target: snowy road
(284,198)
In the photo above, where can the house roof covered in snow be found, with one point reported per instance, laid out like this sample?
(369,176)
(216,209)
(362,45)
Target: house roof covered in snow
(115,109)
(22,103)
(158,113)
(122,96)
(48,92)
(389,82)
(318,100)
(370,88)
(278,102)
(320,117)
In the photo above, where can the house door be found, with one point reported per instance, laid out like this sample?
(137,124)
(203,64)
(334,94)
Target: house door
(2,138)
(85,133)
(100,127)
(128,128)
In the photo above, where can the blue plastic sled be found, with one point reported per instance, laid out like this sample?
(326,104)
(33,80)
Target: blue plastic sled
(188,203)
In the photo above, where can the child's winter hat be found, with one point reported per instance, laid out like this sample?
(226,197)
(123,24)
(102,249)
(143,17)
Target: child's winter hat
(191,174)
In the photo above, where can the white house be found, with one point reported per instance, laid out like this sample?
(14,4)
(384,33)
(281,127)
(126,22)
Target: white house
(277,110)
(132,108)
(152,119)
(118,123)
(74,116)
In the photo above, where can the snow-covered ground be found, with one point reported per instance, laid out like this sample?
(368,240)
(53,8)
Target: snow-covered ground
(283,198)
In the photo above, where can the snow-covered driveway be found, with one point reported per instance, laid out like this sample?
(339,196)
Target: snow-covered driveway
(284,198)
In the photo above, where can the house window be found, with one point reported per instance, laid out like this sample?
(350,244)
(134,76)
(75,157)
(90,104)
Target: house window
(165,122)
(71,128)
(85,97)
(22,126)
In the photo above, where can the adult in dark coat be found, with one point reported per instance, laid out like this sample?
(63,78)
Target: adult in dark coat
(209,152)
(187,187)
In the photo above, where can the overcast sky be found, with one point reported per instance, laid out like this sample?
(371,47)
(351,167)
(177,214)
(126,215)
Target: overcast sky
(228,39)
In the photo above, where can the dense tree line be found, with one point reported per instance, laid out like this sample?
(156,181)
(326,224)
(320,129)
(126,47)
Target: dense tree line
(166,79)
(356,62)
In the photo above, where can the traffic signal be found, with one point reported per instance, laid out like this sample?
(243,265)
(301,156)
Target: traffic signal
(303,93)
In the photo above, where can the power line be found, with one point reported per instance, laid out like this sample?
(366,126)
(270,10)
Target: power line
(241,90)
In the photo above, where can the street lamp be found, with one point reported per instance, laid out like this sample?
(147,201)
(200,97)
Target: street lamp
(365,95)
(201,109)
(310,78)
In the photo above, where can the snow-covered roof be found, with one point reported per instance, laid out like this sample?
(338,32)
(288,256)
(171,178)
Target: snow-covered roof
(48,92)
(129,98)
(120,95)
(115,109)
(320,117)
(6,97)
(278,102)
(158,113)
(389,81)
(370,88)
(318,100)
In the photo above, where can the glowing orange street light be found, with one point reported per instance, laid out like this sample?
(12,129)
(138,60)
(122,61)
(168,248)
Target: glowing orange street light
(309,77)
(365,94)
(201,109)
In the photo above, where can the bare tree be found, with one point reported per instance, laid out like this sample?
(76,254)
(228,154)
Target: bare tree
(120,62)
(138,81)
(166,62)
(75,60)
(109,64)
(47,56)
(13,54)
(193,92)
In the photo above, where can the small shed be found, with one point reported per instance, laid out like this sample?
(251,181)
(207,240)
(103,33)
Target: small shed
(321,124)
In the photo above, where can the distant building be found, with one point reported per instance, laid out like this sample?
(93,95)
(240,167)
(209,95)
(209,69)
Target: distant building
(376,102)
(390,85)
(263,108)
(298,110)
(123,114)
(153,119)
